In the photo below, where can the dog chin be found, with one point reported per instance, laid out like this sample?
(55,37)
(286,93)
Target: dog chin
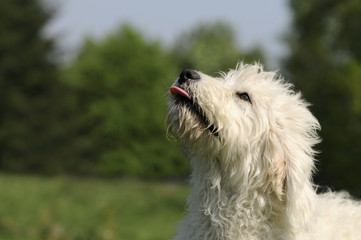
(185,101)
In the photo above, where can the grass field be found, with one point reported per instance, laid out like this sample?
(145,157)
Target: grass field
(51,208)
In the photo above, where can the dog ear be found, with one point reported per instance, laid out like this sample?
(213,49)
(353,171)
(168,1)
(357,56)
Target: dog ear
(277,165)
(293,164)
(300,196)
(290,174)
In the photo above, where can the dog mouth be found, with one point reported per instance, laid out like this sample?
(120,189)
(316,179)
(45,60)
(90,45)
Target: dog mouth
(182,97)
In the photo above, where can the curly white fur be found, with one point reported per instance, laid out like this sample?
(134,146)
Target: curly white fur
(251,172)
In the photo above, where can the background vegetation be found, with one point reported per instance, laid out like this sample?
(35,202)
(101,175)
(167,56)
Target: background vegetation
(325,63)
(102,116)
(54,208)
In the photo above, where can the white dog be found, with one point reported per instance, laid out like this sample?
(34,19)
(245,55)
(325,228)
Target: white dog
(250,139)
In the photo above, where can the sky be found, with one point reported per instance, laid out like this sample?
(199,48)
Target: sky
(256,22)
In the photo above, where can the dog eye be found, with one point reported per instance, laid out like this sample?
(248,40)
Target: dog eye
(244,96)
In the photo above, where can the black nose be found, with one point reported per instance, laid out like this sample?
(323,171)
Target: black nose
(188,74)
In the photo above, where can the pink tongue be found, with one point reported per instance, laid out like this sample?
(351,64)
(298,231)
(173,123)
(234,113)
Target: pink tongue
(177,90)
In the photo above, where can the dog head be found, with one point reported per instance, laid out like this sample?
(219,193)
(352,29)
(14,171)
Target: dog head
(239,109)
(254,124)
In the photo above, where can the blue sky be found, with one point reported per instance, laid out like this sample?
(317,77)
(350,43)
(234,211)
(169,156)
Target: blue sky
(256,22)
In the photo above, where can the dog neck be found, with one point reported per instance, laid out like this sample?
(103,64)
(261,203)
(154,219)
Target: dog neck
(225,204)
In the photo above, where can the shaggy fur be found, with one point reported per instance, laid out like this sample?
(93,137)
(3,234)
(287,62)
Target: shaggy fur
(252,161)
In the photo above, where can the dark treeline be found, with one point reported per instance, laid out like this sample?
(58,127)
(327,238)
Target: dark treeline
(103,114)
(325,64)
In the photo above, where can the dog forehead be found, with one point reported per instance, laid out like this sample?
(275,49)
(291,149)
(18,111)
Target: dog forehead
(264,81)
(250,83)
(250,79)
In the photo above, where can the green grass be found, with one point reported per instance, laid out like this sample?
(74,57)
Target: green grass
(73,208)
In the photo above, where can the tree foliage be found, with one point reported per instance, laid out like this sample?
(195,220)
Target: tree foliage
(122,84)
(31,117)
(325,63)
(211,48)
(104,114)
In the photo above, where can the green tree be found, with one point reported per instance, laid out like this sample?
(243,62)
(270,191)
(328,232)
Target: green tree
(30,93)
(325,63)
(211,48)
(122,83)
